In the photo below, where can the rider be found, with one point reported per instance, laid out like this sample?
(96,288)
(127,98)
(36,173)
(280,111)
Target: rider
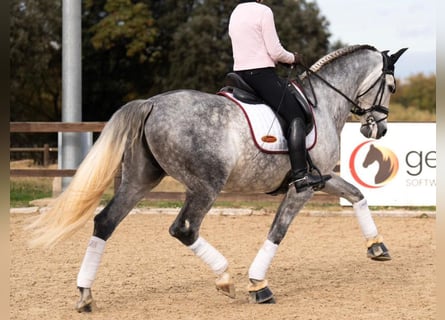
(256,49)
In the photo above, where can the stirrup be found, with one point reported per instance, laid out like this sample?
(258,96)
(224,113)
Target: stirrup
(294,181)
(321,185)
(301,184)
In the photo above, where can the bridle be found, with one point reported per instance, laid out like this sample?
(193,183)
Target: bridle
(388,69)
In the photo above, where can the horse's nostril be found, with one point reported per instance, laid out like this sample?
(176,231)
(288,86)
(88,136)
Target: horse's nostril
(384,132)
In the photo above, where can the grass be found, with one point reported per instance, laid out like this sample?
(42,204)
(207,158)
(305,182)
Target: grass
(24,190)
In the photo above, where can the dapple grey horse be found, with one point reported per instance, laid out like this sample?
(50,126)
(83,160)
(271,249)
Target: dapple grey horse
(203,141)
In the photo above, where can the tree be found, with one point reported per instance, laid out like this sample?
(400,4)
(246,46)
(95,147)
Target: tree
(35,60)
(118,38)
(417,91)
(35,66)
(202,54)
(125,24)
(169,16)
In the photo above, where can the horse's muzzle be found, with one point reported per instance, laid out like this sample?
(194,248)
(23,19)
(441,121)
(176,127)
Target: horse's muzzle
(373,130)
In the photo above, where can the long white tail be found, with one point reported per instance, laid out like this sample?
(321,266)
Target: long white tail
(77,204)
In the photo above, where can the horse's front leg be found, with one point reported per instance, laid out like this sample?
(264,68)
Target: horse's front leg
(376,249)
(259,291)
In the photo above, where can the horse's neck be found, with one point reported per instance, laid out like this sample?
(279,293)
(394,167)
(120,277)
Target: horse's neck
(331,102)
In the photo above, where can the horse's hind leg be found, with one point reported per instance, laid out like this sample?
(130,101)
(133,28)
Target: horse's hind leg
(139,175)
(186,229)
(376,249)
(104,225)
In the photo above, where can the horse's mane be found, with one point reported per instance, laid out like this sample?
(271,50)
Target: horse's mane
(337,54)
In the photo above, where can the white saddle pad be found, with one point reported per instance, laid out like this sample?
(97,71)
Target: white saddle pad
(265,127)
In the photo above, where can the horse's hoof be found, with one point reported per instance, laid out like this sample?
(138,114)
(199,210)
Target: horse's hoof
(262,296)
(225,284)
(84,308)
(86,303)
(378,252)
(260,293)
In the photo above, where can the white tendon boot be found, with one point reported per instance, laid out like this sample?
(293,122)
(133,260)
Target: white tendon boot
(374,242)
(87,273)
(258,289)
(217,262)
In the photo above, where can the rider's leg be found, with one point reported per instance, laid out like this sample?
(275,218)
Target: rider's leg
(274,91)
(301,178)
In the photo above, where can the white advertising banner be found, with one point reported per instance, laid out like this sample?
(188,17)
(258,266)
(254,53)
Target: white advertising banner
(397,170)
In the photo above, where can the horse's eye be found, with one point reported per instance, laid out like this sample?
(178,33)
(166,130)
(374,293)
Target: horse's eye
(392,88)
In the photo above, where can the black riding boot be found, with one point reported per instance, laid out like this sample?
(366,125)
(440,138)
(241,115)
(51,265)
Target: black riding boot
(300,177)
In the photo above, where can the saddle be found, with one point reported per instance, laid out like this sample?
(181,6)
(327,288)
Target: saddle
(235,85)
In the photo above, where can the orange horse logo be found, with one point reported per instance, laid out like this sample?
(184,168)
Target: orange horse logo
(386,160)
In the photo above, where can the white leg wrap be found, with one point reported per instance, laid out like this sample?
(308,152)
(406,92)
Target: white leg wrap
(262,261)
(365,219)
(90,262)
(216,261)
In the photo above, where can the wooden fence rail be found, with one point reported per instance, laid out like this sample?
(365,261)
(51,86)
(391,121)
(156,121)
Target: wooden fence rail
(40,127)
(34,127)
(46,150)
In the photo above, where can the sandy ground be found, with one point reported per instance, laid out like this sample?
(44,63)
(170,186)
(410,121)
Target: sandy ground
(320,271)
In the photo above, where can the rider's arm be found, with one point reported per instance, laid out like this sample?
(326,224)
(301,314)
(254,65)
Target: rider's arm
(271,40)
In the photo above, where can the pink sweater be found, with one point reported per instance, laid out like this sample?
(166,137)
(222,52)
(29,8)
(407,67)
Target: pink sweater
(255,41)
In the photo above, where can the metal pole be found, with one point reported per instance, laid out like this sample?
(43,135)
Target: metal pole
(71,143)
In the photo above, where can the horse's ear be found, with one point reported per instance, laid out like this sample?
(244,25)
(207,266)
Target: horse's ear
(394,57)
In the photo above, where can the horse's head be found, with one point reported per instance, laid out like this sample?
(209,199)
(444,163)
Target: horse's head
(373,97)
